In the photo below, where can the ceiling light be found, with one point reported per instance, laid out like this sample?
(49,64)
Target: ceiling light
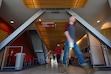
(79,41)
(40,20)
(11,21)
(98,21)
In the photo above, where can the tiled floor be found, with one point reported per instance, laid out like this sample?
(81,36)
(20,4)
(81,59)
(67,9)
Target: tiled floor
(53,69)
(47,69)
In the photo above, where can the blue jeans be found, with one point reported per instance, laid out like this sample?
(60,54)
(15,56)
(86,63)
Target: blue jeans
(58,56)
(77,51)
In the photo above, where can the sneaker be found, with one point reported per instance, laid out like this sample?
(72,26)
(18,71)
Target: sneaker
(63,68)
(88,69)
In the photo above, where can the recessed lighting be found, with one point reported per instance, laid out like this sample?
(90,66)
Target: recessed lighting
(98,21)
(11,21)
(40,20)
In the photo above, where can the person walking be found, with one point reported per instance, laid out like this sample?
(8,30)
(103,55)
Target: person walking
(71,43)
(58,52)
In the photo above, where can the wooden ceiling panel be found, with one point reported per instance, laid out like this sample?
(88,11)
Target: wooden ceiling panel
(52,36)
(55,3)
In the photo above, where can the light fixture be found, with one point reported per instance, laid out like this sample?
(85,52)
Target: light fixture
(40,20)
(79,41)
(98,21)
(11,21)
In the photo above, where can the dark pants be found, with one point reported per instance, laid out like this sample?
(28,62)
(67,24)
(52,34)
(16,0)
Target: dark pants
(58,56)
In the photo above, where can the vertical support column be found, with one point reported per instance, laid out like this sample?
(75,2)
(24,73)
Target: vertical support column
(37,45)
(96,52)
